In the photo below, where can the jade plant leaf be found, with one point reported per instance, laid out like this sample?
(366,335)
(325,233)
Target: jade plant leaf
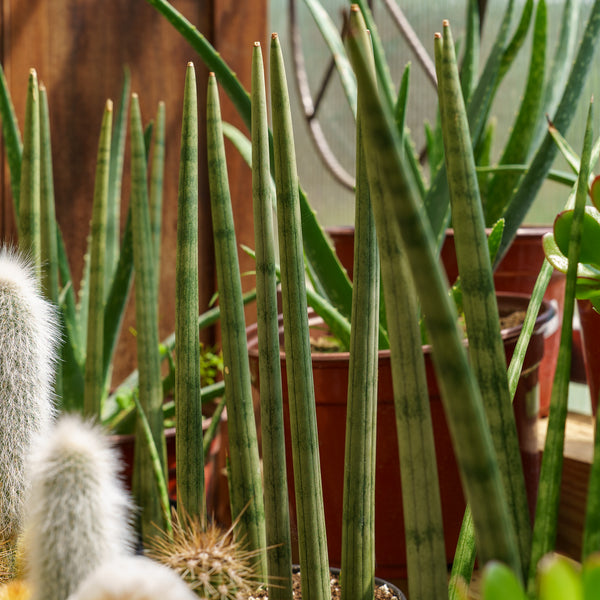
(586,274)
(595,191)
(499,581)
(590,238)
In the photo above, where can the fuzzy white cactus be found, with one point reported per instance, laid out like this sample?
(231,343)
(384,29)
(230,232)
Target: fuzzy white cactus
(134,578)
(28,343)
(78,513)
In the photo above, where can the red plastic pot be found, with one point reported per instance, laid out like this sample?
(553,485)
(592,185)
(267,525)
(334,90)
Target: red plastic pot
(590,334)
(126,447)
(330,373)
(516,273)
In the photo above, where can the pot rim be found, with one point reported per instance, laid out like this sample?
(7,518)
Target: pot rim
(545,324)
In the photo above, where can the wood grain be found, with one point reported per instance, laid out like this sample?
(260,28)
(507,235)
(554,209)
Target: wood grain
(79,50)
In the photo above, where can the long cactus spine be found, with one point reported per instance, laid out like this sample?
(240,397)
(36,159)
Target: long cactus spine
(78,511)
(28,341)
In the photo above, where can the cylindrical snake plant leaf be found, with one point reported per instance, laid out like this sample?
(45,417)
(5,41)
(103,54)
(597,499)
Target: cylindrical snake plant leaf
(94,365)
(419,477)
(460,394)
(245,483)
(546,512)
(145,486)
(312,540)
(358,518)
(188,402)
(486,349)
(277,515)
(49,233)
(117,152)
(29,201)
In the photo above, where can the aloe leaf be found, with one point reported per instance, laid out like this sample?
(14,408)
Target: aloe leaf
(190,458)
(279,559)
(517,40)
(93,391)
(117,151)
(388,91)
(305,446)
(558,69)
(116,301)
(146,318)
(544,531)
(530,184)
(437,201)
(245,482)
(401,106)
(12,141)
(244,146)
(29,200)
(470,62)
(517,147)
(462,401)
(334,42)
(358,517)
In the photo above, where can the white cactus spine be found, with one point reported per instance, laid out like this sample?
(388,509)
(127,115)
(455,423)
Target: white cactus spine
(28,344)
(134,578)
(78,514)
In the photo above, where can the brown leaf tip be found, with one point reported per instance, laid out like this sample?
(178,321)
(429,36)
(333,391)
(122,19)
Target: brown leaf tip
(257,44)
(446,23)
(274,36)
(437,35)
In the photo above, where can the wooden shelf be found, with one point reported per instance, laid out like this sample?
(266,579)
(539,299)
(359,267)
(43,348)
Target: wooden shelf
(578,456)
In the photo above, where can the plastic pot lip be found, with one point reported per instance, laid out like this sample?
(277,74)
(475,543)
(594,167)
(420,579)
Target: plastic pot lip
(378,581)
(546,320)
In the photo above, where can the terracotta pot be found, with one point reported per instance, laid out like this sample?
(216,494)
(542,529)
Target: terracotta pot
(330,372)
(590,334)
(126,446)
(517,272)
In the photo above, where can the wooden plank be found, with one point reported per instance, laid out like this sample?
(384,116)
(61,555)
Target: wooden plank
(79,50)
(578,456)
